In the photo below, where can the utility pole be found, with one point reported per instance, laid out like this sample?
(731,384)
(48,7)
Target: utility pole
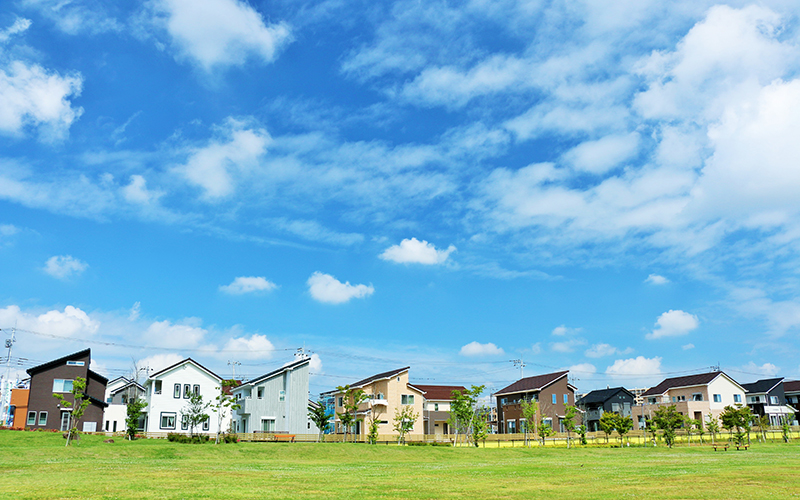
(233,364)
(5,381)
(519,363)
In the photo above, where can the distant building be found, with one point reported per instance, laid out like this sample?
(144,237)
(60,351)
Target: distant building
(436,407)
(118,393)
(18,409)
(57,376)
(767,397)
(616,400)
(553,392)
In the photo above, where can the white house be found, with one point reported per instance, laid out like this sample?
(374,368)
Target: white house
(118,392)
(168,392)
(275,402)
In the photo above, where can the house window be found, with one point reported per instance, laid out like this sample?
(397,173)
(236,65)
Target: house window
(31,418)
(176,393)
(755,399)
(167,420)
(124,399)
(737,398)
(435,406)
(187,391)
(158,387)
(281,395)
(718,398)
(407,399)
(196,389)
(42,418)
(62,385)
(260,392)
(184,422)
(773,400)
(205,424)
(76,363)
(511,427)
(615,407)
(697,396)
(566,399)
(555,399)
(268,425)
(341,401)
(108,400)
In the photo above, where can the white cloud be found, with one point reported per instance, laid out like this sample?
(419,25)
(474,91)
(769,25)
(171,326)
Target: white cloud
(76,16)
(656,279)
(248,284)
(20,26)
(567,346)
(597,157)
(765,370)
(326,288)
(674,323)
(314,231)
(166,334)
(220,33)
(582,369)
(64,266)
(415,251)
(536,348)
(158,362)
(478,349)
(215,166)
(601,350)
(32,97)
(255,347)
(137,192)
(135,311)
(633,367)
(562,330)
(687,347)
(315,365)
(71,322)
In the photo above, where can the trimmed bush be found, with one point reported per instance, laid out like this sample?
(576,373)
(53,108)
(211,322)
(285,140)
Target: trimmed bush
(186,439)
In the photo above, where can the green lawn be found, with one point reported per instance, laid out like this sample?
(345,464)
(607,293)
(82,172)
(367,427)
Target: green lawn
(37,465)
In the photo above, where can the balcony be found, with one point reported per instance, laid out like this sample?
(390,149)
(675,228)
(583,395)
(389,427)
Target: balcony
(245,406)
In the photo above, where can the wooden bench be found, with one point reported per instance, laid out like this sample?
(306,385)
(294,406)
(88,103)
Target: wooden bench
(284,438)
(723,447)
(743,446)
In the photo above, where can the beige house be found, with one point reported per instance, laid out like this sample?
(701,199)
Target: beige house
(436,407)
(387,394)
(693,395)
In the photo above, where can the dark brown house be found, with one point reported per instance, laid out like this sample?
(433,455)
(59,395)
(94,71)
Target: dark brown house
(552,391)
(46,412)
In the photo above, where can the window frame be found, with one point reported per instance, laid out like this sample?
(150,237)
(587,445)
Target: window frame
(206,424)
(167,414)
(184,423)
(773,400)
(718,398)
(31,418)
(187,391)
(157,387)
(196,389)
(63,384)
(281,395)
(737,398)
(407,399)
(260,392)
(555,398)
(176,391)
(42,420)
(566,399)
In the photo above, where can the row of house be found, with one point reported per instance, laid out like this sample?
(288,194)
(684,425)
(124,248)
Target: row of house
(277,402)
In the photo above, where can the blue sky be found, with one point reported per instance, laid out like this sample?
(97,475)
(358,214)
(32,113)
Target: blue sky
(447,185)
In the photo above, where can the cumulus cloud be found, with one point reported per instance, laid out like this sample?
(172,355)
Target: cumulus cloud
(326,288)
(633,367)
(567,346)
(71,322)
(236,151)
(674,323)
(64,266)
(220,33)
(563,330)
(21,25)
(136,191)
(477,349)
(656,279)
(602,350)
(254,347)
(32,97)
(687,347)
(765,370)
(248,284)
(76,16)
(182,335)
(315,365)
(597,157)
(158,362)
(418,252)
(583,369)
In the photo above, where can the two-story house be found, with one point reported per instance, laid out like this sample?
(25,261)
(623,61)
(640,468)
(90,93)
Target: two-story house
(387,393)
(46,412)
(118,392)
(791,388)
(552,391)
(168,392)
(276,402)
(436,407)
(693,395)
(767,397)
(614,399)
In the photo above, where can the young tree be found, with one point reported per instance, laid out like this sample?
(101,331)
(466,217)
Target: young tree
(352,399)
(462,411)
(480,426)
(733,419)
(623,425)
(668,420)
(404,420)
(545,431)
(319,416)
(581,431)
(372,437)
(785,429)
(689,424)
(80,401)
(222,403)
(194,412)
(346,418)
(529,411)
(763,425)
(713,426)
(134,413)
(608,422)
(569,421)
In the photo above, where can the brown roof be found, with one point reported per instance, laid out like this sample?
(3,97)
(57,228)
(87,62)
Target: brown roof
(439,392)
(536,383)
(791,385)
(379,376)
(686,381)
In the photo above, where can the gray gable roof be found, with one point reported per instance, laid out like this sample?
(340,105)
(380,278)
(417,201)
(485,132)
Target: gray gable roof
(602,395)
(685,381)
(762,386)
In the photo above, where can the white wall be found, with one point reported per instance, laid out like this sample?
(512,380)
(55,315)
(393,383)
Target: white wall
(723,386)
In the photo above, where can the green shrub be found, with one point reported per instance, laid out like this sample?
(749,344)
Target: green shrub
(186,439)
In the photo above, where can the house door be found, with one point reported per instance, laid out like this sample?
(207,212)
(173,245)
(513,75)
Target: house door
(64,420)
(358,427)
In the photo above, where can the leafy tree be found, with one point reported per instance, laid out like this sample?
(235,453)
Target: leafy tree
(351,399)
(737,418)
(785,429)
(713,426)
(480,426)
(80,401)
(700,430)
(763,425)
(581,431)
(529,411)
(404,420)
(134,413)
(194,412)
(372,437)
(222,402)
(623,425)
(569,421)
(608,422)
(545,431)
(319,416)
(462,411)
(668,420)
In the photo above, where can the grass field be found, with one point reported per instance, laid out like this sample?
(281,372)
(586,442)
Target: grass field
(37,465)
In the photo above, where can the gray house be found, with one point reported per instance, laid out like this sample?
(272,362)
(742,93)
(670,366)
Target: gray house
(617,400)
(276,402)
